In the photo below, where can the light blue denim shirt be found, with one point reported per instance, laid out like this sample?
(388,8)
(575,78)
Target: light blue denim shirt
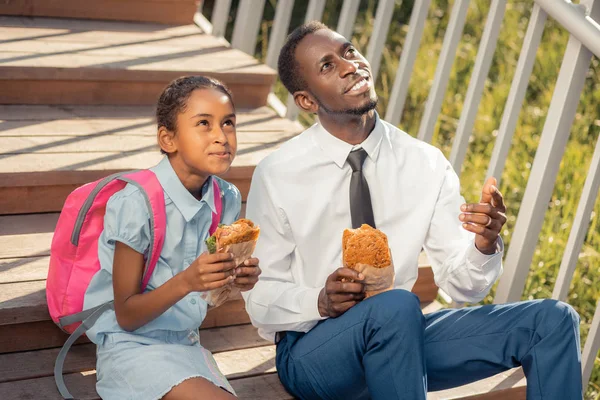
(127,221)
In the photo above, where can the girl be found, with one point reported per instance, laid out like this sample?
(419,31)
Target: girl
(148,346)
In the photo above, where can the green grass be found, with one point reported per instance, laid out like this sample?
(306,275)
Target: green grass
(585,287)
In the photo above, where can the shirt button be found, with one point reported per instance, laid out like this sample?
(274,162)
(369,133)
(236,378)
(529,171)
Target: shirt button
(193,301)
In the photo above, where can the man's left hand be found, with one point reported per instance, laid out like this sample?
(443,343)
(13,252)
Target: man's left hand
(246,275)
(486,218)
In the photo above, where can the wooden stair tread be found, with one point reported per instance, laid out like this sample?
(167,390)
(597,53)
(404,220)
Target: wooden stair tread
(115,47)
(163,11)
(508,385)
(40,363)
(125,142)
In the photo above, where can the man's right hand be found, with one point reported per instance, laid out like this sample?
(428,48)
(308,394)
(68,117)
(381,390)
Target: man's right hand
(343,289)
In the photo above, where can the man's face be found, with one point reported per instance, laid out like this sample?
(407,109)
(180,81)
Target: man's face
(337,76)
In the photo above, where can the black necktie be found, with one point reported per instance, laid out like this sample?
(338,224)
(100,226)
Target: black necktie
(361,209)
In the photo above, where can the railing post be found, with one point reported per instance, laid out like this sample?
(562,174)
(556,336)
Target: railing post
(219,17)
(313,13)
(247,25)
(555,134)
(395,107)
(514,102)
(580,227)
(592,345)
(483,61)
(345,25)
(283,15)
(442,72)
(383,17)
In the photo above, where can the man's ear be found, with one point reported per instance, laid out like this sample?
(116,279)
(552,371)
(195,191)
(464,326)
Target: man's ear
(166,140)
(306,102)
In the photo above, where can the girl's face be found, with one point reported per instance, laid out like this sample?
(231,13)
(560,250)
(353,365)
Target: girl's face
(206,141)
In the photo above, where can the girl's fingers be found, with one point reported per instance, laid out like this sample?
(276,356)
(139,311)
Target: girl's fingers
(218,267)
(217,284)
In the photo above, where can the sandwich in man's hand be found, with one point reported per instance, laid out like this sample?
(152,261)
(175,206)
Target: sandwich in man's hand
(366,250)
(239,239)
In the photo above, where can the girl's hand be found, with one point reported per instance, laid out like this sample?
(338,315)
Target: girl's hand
(208,272)
(247,274)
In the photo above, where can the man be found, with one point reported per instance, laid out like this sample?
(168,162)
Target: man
(353,168)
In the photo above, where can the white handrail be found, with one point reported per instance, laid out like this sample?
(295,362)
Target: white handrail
(247,25)
(573,17)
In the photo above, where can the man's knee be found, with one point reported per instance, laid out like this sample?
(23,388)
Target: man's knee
(395,305)
(555,313)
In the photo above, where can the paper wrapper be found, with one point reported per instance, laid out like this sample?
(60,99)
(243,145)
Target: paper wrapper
(377,280)
(241,252)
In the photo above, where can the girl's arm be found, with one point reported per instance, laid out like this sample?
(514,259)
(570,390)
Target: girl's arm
(135,309)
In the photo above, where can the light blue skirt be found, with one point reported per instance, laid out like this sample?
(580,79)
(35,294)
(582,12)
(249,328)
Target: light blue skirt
(131,366)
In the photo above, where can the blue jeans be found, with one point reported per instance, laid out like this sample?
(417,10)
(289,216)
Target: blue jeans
(385,348)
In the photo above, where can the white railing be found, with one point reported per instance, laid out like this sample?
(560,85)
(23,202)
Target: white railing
(584,42)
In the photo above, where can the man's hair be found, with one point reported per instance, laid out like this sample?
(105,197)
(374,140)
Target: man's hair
(287,66)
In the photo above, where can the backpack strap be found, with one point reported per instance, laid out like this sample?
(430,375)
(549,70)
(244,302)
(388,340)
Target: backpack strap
(88,322)
(153,193)
(216,216)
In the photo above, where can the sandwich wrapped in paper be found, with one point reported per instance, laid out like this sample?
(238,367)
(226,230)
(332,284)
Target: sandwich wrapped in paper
(239,239)
(366,250)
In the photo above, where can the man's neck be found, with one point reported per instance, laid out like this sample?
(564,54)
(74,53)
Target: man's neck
(352,129)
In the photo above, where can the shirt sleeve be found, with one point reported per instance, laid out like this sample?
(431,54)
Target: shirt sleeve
(127,220)
(460,269)
(277,302)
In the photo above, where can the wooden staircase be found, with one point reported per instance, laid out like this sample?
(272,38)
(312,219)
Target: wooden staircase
(76,104)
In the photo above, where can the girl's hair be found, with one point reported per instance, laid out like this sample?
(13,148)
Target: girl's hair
(174,97)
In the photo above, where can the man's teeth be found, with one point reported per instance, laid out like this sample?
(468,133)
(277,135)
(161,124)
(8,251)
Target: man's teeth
(360,84)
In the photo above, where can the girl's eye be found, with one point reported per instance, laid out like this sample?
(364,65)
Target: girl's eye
(229,123)
(202,122)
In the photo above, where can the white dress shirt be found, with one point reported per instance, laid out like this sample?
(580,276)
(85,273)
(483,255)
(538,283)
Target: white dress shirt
(299,197)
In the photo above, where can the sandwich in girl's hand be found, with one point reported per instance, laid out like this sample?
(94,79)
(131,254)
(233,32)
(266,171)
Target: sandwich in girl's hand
(238,239)
(366,250)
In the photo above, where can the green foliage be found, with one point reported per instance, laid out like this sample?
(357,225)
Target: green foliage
(585,287)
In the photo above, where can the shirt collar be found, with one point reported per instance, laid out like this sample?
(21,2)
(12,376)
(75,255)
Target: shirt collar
(185,202)
(338,150)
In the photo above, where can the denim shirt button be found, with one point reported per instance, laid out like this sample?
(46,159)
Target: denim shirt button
(193,301)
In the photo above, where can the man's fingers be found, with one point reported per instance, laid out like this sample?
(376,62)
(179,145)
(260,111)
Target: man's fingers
(346,297)
(247,271)
(340,308)
(245,280)
(251,262)
(498,200)
(483,208)
(490,234)
(488,188)
(346,273)
(344,287)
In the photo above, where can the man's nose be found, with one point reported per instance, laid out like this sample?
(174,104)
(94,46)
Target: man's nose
(349,67)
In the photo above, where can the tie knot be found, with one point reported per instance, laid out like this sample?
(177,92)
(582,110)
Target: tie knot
(356,159)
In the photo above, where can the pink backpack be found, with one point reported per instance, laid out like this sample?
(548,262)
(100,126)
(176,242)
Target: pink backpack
(74,251)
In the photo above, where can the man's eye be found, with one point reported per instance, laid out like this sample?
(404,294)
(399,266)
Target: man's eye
(351,52)
(325,66)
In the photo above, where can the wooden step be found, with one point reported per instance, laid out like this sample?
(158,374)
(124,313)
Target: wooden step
(177,12)
(245,358)
(61,61)
(48,151)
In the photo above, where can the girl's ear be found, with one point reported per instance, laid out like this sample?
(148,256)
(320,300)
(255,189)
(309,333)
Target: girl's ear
(166,140)
(305,102)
